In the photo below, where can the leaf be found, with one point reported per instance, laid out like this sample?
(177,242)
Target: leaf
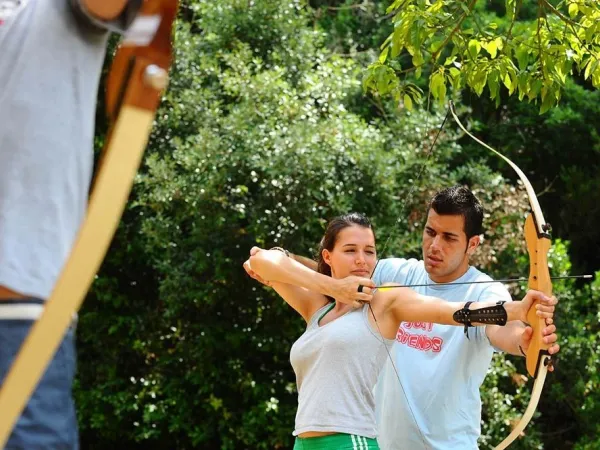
(397,44)
(408,102)
(474,48)
(547,103)
(383,80)
(523,83)
(394,6)
(418,73)
(479,81)
(499,43)
(384,54)
(591,67)
(523,57)
(534,89)
(573,9)
(493,86)
(491,48)
(438,86)
(417,59)
(508,82)
(450,60)
(437,6)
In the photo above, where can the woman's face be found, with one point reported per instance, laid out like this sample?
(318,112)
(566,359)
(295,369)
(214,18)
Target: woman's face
(353,254)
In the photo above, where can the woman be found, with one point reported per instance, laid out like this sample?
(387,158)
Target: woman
(338,358)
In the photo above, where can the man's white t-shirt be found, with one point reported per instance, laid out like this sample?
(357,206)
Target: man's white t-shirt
(436,403)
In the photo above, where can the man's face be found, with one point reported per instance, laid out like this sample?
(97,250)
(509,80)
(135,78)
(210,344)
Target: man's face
(446,250)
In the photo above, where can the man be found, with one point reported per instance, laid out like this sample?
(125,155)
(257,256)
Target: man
(52,55)
(440,407)
(429,398)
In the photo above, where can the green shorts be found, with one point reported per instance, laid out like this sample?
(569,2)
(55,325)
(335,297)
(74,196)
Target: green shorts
(339,441)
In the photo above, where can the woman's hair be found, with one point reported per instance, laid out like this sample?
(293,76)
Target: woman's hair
(333,230)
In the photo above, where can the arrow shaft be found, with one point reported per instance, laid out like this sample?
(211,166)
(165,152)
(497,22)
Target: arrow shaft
(506,280)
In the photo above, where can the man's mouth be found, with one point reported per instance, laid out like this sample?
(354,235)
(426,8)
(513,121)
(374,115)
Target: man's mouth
(434,261)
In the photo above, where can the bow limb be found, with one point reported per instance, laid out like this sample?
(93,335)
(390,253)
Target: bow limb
(137,79)
(538,245)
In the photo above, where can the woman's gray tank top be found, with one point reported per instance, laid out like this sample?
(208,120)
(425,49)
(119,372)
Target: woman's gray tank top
(337,366)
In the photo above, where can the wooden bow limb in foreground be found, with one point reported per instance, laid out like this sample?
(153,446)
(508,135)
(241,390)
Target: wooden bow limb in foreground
(137,79)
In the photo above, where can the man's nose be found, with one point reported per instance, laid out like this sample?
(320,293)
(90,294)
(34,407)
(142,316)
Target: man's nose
(436,243)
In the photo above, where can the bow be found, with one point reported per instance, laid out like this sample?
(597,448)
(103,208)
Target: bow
(538,242)
(137,78)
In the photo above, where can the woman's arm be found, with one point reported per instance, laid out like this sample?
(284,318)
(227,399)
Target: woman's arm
(273,266)
(275,269)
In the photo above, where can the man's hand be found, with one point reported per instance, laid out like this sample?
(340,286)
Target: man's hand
(544,309)
(249,271)
(345,290)
(550,337)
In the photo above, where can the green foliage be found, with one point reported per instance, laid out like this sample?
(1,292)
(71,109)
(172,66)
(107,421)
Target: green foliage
(462,45)
(264,135)
(560,153)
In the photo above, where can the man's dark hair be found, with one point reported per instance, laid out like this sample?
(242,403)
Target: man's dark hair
(458,200)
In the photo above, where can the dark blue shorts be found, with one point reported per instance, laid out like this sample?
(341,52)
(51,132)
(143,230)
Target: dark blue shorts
(49,421)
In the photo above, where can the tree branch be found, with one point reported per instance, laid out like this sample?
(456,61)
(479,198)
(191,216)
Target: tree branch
(435,54)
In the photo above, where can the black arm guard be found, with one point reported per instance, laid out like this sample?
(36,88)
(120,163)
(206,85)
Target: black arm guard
(493,315)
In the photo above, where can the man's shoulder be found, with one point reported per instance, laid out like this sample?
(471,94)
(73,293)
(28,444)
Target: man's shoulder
(487,287)
(400,264)
(399,270)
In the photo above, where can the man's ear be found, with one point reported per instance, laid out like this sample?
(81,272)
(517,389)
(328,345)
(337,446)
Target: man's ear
(473,244)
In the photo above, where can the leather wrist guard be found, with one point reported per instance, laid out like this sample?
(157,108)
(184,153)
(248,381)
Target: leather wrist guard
(106,15)
(492,315)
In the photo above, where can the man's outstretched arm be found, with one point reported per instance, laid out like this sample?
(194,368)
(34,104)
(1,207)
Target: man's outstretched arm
(514,338)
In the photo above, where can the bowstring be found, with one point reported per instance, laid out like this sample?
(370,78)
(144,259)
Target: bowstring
(396,222)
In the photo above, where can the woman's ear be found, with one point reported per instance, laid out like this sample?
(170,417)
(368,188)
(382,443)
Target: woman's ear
(326,257)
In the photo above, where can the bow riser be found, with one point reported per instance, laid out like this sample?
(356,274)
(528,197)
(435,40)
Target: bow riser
(538,246)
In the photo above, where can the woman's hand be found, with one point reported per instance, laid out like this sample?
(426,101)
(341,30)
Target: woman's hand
(346,290)
(252,273)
